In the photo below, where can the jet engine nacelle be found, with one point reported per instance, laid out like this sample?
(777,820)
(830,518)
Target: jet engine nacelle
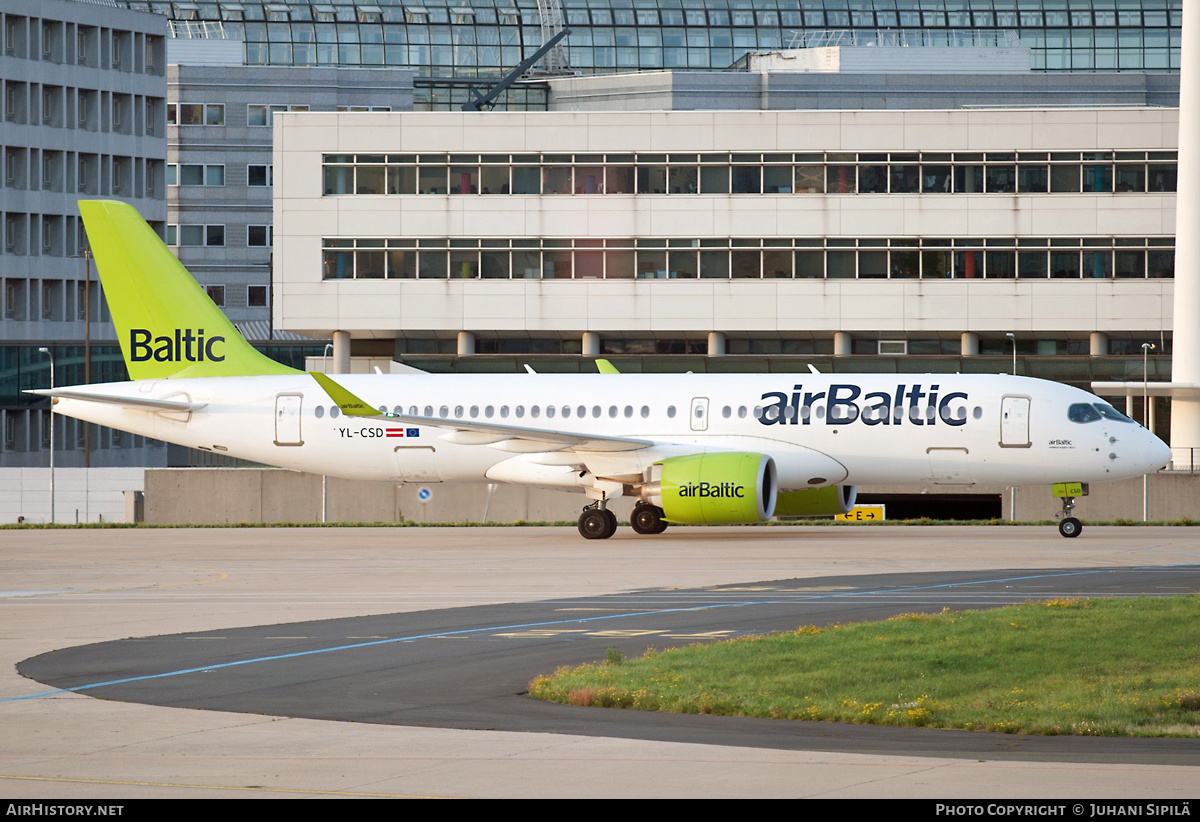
(725,488)
(828,501)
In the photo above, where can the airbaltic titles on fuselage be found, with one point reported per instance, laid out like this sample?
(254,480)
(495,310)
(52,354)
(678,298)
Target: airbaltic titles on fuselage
(907,403)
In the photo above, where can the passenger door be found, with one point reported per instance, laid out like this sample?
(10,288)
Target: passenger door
(287,419)
(1014,422)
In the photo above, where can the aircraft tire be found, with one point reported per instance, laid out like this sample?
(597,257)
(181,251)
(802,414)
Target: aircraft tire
(611,519)
(1070,527)
(646,519)
(597,524)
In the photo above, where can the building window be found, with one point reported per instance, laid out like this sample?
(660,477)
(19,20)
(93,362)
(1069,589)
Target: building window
(256,296)
(197,114)
(262,114)
(260,175)
(195,174)
(753,173)
(216,293)
(196,235)
(258,235)
(748,258)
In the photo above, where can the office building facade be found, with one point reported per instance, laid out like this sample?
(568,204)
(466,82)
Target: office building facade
(85,115)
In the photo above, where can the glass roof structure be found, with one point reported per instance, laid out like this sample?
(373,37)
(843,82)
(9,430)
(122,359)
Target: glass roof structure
(483,38)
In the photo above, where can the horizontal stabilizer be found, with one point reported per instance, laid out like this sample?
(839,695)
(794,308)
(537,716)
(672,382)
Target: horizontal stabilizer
(140,403)
(346,401)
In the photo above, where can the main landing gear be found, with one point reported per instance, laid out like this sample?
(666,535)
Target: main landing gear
(597,523)
(647,519)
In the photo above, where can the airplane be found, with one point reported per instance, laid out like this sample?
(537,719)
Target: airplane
(692,448)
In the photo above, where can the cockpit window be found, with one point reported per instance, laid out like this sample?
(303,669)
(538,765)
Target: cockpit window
(1089,412)
(1110,413)
(1082,412)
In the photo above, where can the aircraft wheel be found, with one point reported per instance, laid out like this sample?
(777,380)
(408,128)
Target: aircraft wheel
(611,519)
(597,524)
(1070,527)
(647,519)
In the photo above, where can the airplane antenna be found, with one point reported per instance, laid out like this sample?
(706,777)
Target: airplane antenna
(529,368)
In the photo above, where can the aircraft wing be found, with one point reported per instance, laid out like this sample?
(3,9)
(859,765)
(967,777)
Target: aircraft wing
(139,403)
(516,438)
(501,436)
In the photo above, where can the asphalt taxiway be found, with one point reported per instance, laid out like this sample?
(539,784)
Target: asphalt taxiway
(339,661)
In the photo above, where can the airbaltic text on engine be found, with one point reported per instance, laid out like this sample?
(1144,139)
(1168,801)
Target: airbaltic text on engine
(877,407)
(724,490)
(184,347)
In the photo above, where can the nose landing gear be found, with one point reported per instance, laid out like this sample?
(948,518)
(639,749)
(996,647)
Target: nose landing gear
(1069,526)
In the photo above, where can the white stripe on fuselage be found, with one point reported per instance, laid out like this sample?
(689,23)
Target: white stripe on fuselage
(882,429)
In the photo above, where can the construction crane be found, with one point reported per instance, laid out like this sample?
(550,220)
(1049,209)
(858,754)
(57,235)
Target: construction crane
(480,101)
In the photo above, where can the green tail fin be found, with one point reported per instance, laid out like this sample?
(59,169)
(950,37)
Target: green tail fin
(167,325)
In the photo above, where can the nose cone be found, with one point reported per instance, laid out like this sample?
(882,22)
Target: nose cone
(1155,453)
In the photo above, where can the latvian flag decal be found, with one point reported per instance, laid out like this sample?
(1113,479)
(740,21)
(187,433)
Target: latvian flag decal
(403,432)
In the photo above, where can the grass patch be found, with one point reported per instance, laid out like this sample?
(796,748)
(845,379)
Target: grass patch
(1099,667)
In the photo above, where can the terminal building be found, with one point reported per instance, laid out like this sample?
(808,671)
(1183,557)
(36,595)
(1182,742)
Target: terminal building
(687,185)
(869,240)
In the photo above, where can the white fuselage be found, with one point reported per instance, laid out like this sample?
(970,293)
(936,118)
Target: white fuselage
(943,429)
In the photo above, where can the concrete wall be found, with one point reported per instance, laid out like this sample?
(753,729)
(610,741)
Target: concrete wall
(202,495)
(911,89)
(1171,496)
(876,59)
(80,494)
